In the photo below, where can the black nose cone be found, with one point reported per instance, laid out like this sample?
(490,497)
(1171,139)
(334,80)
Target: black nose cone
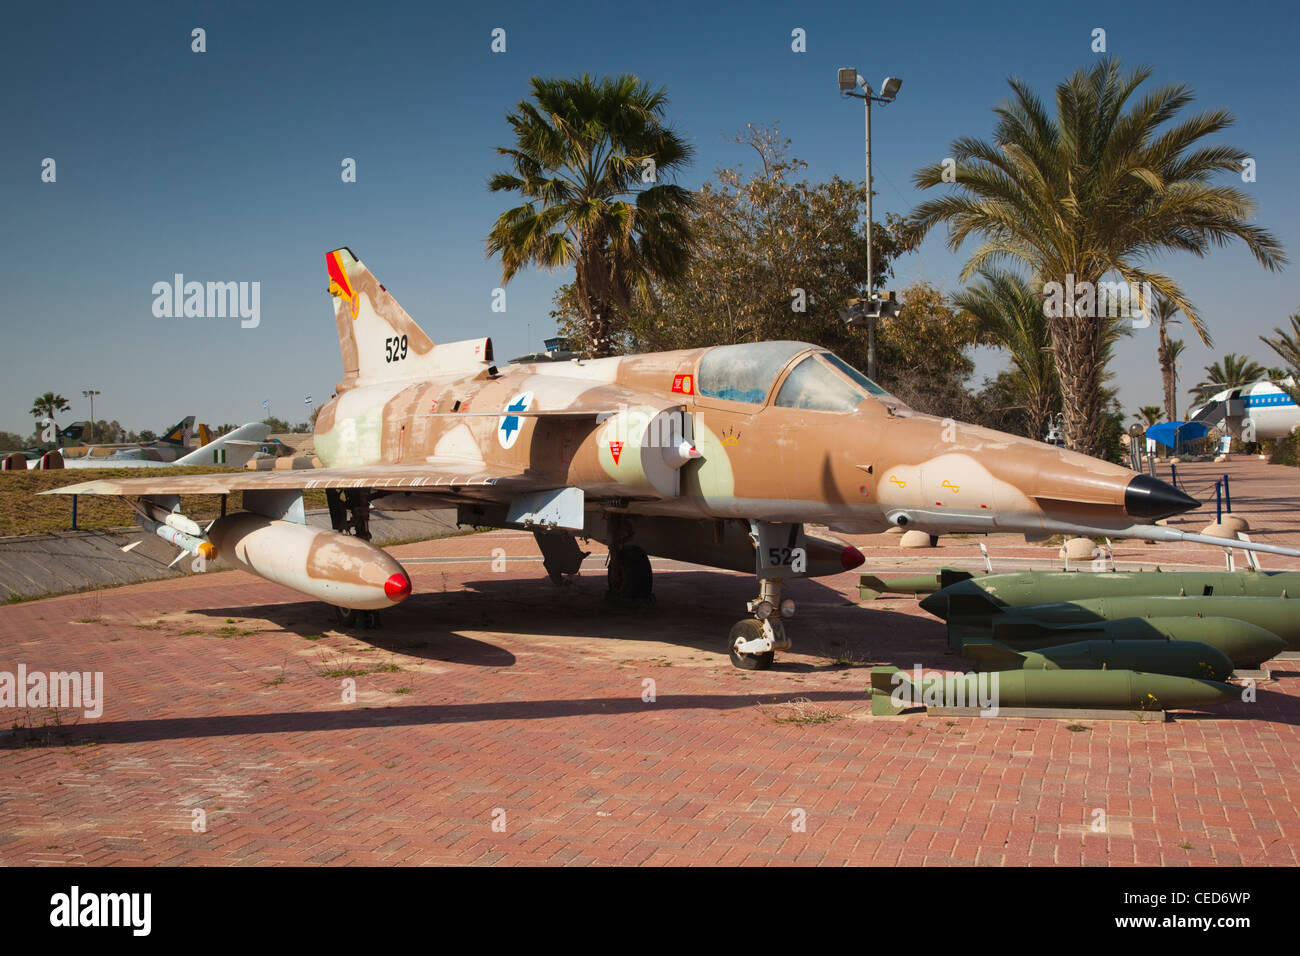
(1150,499)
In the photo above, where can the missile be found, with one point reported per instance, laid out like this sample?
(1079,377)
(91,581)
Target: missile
(336,568)
(1042,587)
(1104,689)
(173,519)
(192,543)
(1247,645)
(1172,657)
(871,586)
(1279,615)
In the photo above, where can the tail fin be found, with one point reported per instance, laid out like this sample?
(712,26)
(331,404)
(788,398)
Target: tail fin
(380,342)
(236,448)
(949,576)
(179,434)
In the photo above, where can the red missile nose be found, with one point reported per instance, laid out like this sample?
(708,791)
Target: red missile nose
(398,588)
(851,557)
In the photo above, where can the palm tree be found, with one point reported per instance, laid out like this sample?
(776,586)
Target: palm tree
(1287,346)
(48,405)
(1011,317)
(1148,415)
(584,153)
(1233,371)
(1166,312)
(1173,349)
(1092,192)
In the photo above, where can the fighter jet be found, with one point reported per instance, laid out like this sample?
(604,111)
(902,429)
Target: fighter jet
(720,456)
(174,444)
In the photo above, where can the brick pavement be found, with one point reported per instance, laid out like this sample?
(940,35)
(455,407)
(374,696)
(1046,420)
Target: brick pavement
(496,697)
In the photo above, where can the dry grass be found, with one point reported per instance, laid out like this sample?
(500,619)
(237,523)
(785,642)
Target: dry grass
(24,511)
(800,710)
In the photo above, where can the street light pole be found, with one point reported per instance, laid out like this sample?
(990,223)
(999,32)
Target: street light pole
(871,319)
(90,393)
(851,83)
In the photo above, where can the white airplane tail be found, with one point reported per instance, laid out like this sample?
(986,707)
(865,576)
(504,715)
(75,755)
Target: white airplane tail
(235,448)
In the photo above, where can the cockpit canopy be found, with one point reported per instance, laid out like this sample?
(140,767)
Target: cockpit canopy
(819,381)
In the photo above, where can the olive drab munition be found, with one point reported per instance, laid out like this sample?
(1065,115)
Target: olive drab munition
(1043,587)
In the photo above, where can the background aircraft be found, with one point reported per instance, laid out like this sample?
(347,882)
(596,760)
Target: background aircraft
(173,444)
(235,448)
(719,456)
(1273,411)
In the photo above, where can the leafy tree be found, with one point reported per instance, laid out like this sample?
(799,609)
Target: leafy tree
(11,442)
(922,354)
(593,161)
(278,425)
(1233,371)
(775,258)
(1090,192)
(1287,346)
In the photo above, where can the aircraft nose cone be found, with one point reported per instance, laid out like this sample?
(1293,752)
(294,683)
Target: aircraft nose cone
(397,588)
(851,557)
(1151,499)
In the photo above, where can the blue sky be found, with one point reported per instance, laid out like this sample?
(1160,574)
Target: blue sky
(225,165)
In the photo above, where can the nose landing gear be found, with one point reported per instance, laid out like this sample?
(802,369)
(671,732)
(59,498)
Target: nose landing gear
(754,641)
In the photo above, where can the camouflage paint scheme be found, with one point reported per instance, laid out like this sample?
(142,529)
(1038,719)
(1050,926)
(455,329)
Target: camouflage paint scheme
(646,436)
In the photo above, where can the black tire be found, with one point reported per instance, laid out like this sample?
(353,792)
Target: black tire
(630,575)
(748,630)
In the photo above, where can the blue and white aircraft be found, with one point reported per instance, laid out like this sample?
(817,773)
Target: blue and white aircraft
(1269,408)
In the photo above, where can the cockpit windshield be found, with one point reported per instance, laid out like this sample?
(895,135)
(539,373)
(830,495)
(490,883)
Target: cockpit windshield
(745,373)
(866,383)
(822,381)
(815,385)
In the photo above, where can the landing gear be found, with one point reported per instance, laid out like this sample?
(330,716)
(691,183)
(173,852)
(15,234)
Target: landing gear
(349,511)
(630,575)
(754,641)
(745,632)
(350,514)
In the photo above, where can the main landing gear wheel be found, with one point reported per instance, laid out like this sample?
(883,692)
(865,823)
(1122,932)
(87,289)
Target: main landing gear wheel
(630,576)
(743,631)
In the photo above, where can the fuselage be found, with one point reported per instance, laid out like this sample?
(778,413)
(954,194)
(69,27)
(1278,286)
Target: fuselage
(783,430)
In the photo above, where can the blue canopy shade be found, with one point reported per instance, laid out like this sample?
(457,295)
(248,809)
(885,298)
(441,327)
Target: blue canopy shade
(1170,433)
